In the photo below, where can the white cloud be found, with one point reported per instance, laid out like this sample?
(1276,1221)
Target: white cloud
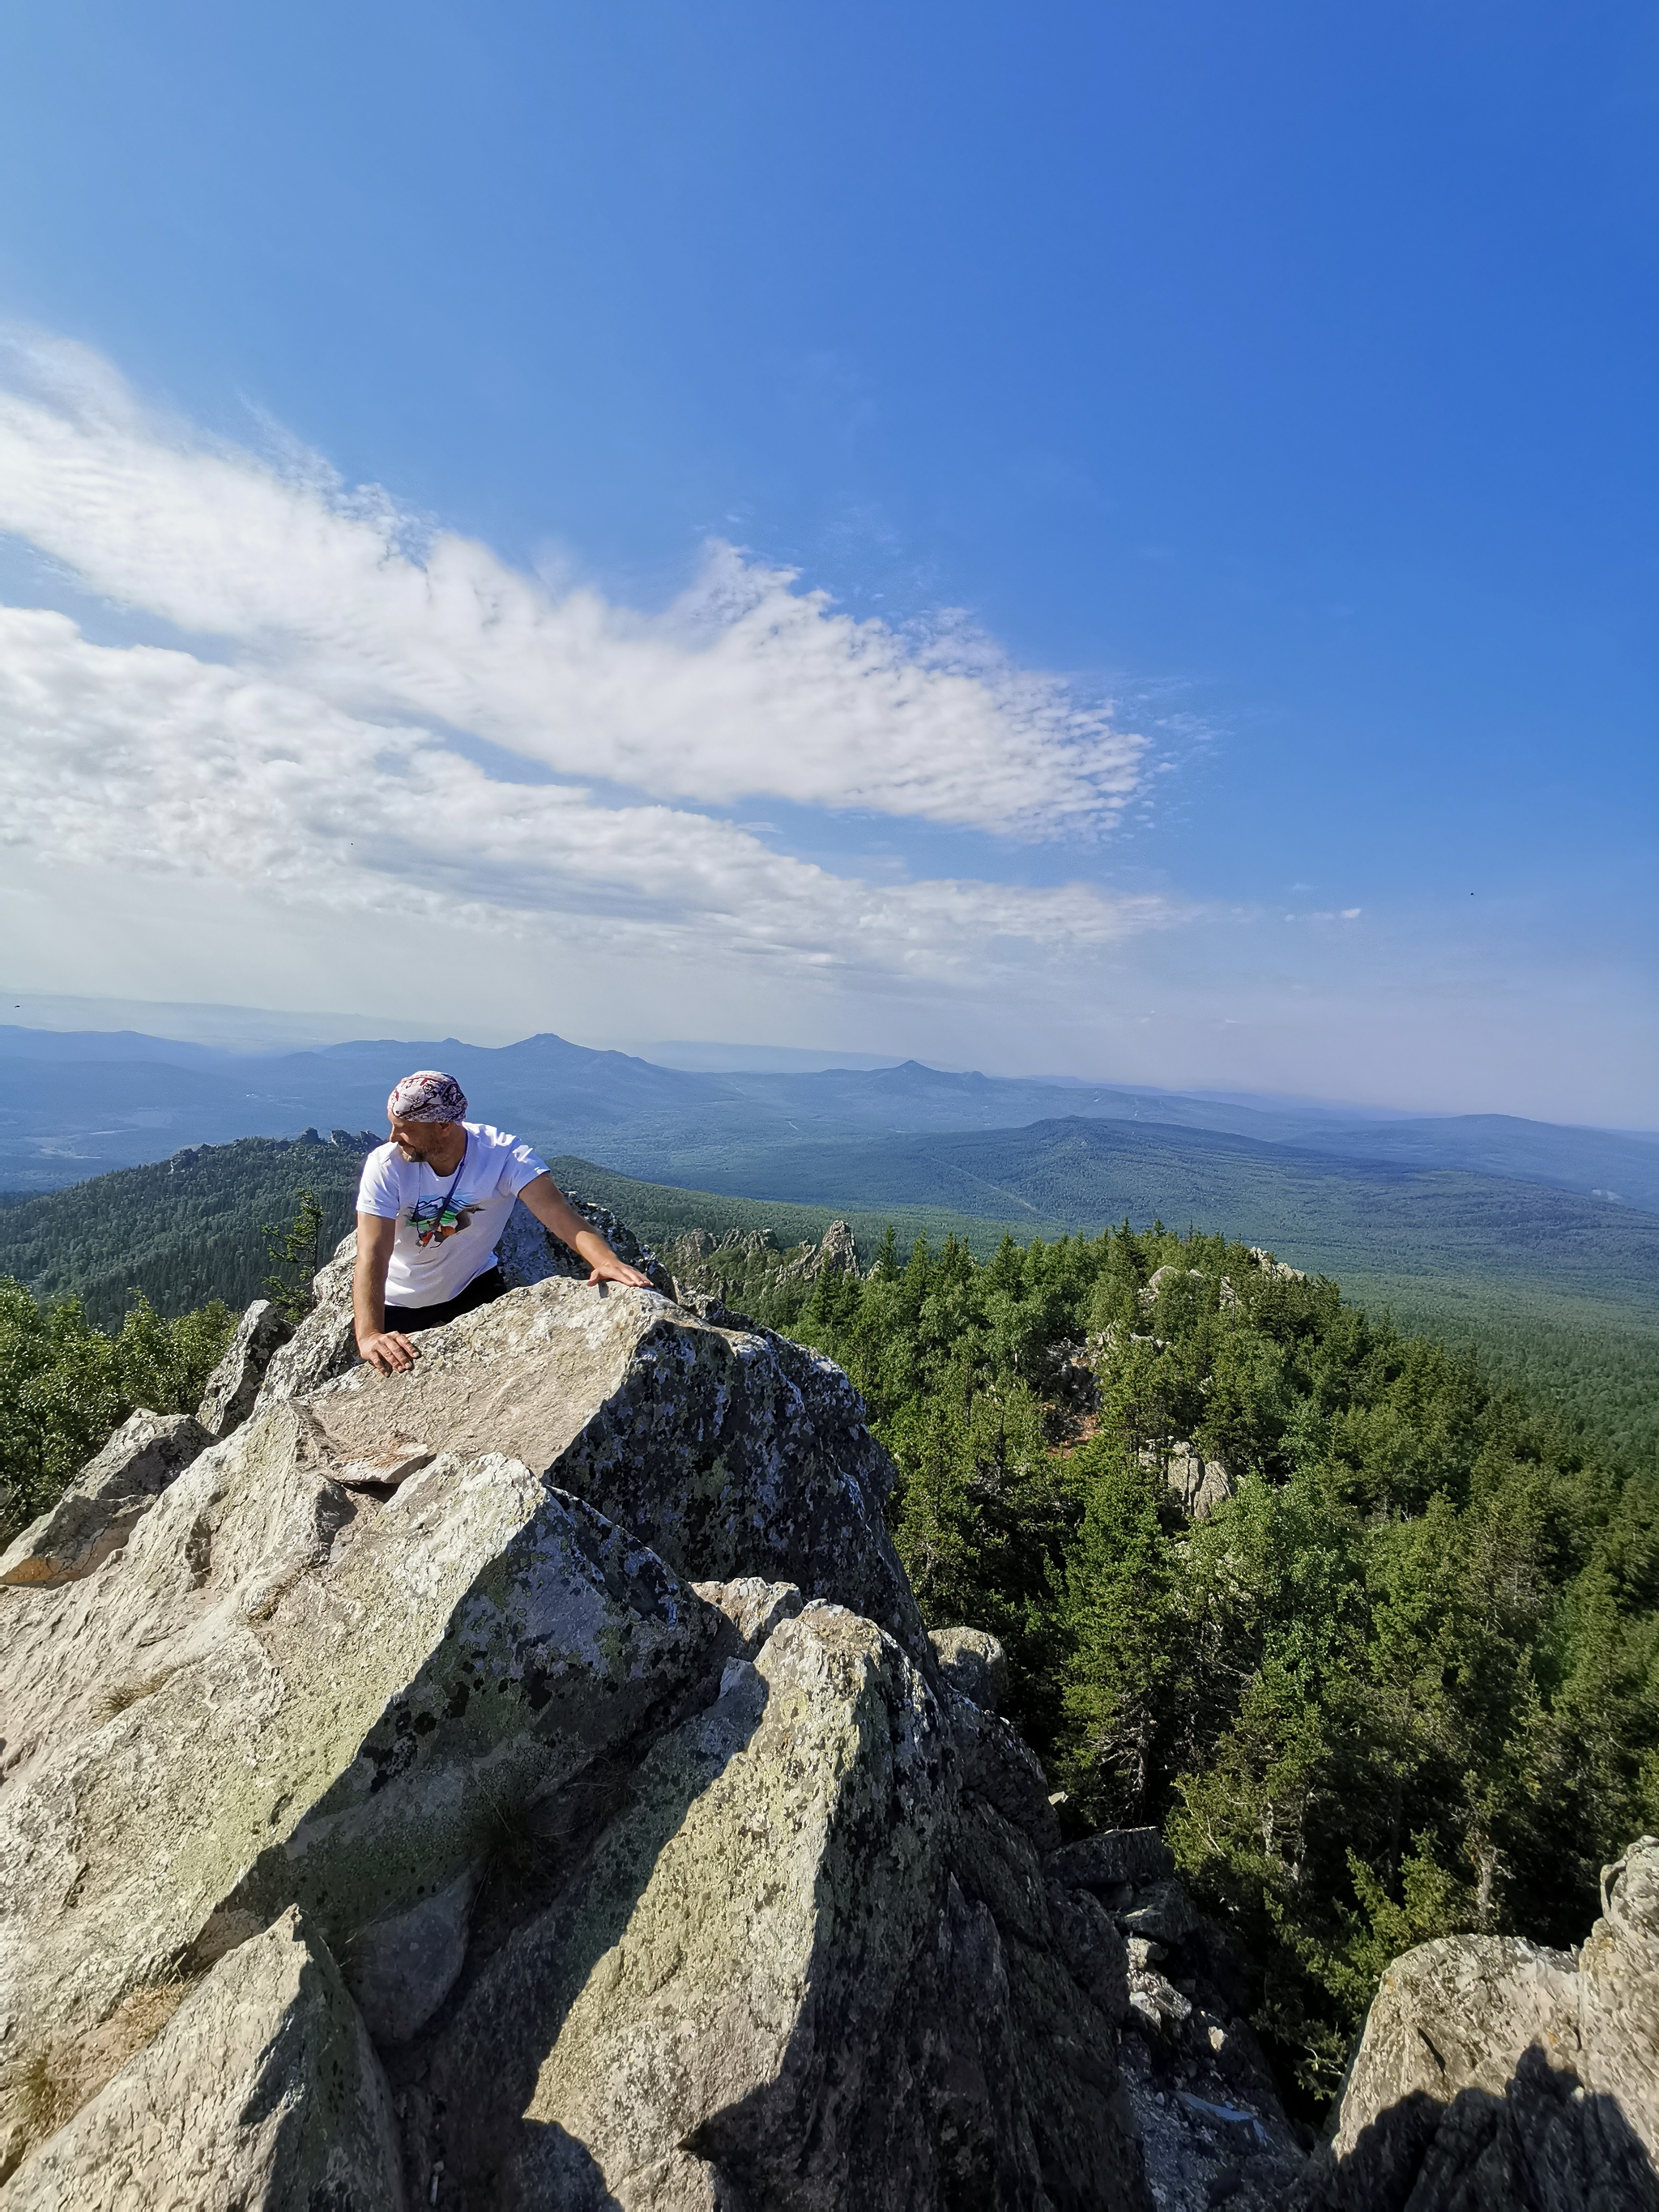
(746,688)
(150,760)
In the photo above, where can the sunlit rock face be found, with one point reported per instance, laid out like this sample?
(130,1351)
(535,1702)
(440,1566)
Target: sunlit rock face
(1493,2073)
(527,1781)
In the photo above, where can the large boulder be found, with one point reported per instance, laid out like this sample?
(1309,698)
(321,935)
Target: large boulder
(1494,2073)
(262,2089)
(287,1692)
(731,1452)
(973,1660)
(719,1988)
(325,1343)
(105,1502)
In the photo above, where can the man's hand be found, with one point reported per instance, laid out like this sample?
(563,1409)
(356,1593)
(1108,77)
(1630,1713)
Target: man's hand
(390,1350)
(554,1210)
(611,1269)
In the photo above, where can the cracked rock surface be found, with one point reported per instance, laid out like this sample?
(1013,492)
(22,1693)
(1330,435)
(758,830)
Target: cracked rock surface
(528,1782)
(1492,2073)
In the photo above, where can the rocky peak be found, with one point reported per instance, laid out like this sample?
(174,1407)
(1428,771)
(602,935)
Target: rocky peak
(528,1782)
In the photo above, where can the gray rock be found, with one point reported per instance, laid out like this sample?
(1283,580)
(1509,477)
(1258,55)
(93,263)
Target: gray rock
(1095,1949)
(1277,1268)
(1065,2087)
(527,1252)
(324,1344)
(1492,2073)
(261,2088)
(652,1899)
(1619,1993)
(284,1695)
(688,2007)
(1162,1914)
(837,1253)
(235,1382)
(1002,1771)
(1198,1484)
(974,1663)
(753,1608)
(1139,1856)
(401,1967)
(730,1453)
(103,1506)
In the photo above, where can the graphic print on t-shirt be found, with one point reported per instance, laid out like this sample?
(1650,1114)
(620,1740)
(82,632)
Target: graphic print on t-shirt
(430,1259)
(435,1220)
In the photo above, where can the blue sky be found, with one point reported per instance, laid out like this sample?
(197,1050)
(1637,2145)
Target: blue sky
(1282,377)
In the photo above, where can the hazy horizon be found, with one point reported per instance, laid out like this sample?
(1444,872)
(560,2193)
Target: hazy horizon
(262,1031)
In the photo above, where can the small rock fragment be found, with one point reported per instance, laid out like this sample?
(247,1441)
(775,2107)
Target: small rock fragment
(973,1661)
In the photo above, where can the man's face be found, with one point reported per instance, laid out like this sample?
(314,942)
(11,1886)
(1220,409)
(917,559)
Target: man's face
(418,1140)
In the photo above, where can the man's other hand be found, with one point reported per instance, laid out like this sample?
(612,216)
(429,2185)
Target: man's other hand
(389,1352)
(611,1269)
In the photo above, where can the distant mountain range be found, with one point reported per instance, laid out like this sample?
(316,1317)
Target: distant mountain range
(76,1104)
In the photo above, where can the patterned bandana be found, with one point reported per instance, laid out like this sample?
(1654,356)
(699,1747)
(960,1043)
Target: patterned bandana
(427,1095)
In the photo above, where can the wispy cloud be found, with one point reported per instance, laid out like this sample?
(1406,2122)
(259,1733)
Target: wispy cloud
(747,687)
(140,758)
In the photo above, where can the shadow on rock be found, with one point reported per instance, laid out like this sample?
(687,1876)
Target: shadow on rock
(1546,2145)
(479,2125)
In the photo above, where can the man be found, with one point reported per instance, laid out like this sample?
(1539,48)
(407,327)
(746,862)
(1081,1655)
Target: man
(430,1206)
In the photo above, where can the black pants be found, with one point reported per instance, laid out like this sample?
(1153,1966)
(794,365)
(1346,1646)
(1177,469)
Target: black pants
(492,1284)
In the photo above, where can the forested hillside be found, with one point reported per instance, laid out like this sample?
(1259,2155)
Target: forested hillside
(1558,1291)
(189,1228)
(182,1231)
(1401,1678)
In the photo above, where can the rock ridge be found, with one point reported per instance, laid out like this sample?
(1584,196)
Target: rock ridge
(529,1782)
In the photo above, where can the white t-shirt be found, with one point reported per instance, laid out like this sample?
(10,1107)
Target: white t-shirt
(447,1225)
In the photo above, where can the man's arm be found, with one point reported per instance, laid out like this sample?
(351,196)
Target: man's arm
(554,1210)
(386,1349)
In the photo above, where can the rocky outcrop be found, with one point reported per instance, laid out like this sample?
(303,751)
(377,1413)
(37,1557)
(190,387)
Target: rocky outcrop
(730,1452)
(103,1506)
(838,1253)
(1494,2073)
(526,1783)
(750,1267)
(529,1253)
(1198,1486)
(262,2089)
(324,1344)
(235,1382)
